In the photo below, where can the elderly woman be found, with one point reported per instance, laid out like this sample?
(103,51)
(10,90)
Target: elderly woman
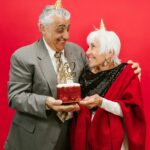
(111,115)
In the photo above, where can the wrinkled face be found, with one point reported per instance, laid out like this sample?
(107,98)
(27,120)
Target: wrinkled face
(95,56)
(57,33)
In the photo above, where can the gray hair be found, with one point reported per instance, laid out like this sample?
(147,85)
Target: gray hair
(46,16)
(108,41)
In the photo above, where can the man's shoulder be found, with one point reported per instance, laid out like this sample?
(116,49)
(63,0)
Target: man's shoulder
(25,51)
(28,51)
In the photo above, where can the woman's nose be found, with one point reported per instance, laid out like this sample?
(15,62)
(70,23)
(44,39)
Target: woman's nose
(88,51)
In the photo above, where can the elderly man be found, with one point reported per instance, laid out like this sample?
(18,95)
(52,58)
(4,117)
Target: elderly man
(32,85)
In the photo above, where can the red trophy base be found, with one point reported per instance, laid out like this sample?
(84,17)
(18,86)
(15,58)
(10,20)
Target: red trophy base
(69,93)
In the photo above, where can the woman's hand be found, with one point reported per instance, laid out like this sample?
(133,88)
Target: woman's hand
(91,101)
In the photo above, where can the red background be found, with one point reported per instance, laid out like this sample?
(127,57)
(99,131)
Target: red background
(130,19)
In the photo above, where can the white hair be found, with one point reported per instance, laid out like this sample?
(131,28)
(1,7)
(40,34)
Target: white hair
(108,41)
(46,16)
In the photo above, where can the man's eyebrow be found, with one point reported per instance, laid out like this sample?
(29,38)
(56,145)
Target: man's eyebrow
(61,25)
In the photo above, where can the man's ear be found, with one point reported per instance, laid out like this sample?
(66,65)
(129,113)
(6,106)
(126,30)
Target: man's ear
(42,28)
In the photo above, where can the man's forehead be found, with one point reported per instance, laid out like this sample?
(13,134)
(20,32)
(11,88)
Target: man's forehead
(60,21)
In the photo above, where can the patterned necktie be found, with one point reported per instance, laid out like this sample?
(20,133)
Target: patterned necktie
(59,66)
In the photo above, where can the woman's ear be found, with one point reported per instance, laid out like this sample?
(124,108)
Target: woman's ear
(110,54)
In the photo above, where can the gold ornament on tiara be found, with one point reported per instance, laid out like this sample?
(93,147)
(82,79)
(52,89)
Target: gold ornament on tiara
(58,4)
(102,25)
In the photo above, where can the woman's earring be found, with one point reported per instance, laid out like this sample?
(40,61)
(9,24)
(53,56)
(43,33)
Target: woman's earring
(105,62)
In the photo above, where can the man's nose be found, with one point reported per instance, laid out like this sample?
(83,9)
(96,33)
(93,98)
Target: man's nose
(66,35)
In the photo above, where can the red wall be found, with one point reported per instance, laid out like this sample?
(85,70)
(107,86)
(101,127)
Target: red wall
(130,19)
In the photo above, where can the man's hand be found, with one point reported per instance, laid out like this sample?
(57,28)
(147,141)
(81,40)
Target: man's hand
(136,67)
(91,101)
(57,105)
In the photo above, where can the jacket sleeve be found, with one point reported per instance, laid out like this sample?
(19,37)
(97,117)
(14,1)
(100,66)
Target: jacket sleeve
(20,93)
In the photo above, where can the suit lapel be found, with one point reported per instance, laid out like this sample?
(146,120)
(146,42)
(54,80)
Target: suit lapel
(46,66)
